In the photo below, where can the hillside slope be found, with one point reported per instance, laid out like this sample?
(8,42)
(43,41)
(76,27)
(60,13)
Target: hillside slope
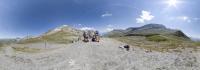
(147,30)
(62,34)
(155,37)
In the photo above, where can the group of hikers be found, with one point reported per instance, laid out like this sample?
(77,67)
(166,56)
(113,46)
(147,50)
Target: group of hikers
(93,36)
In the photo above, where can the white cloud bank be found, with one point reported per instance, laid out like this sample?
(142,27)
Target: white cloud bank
(87,28)
(184,18)
(107,14)
(145,16)
(80,24)
(109,28)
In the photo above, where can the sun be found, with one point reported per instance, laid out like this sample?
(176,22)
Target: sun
(172,3)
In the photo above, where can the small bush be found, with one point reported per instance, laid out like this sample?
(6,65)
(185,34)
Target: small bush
(156,38)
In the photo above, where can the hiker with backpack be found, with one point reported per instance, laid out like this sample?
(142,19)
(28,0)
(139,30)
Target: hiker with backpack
(96,37)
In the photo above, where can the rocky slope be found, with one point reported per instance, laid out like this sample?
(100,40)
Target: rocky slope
(105,55)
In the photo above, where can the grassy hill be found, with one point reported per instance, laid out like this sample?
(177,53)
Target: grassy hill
(153,37)
(63,34)
(157,42)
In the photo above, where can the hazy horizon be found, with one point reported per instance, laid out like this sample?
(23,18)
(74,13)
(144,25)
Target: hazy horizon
(28,17)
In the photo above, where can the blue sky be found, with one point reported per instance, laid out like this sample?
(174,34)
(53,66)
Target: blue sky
(19,18)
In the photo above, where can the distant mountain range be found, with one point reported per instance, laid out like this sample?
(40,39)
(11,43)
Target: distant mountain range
(147,30)
(195,39)
(67,34)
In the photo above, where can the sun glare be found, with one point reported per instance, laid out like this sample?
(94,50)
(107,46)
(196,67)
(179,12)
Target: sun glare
(172,3)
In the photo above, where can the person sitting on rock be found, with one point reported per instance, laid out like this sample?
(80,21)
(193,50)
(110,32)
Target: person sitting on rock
(96,37)
(93,38)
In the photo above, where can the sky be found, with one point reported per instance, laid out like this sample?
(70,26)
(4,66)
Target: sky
(20,18)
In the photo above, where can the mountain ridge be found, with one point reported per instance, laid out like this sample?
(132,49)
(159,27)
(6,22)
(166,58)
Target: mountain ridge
(61,34)
(146,30)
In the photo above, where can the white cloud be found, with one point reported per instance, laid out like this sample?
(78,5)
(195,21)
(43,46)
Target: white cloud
(79,24)
(145,16)
(109,28)
(87,28)
(139,20)
(184,18)
(110,25)
(187,19)
(107,14)
(196,19)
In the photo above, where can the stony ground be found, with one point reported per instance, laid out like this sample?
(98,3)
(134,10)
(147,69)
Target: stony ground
(104,55)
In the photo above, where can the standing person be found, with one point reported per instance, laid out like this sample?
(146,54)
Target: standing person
(97,36)
(85,36)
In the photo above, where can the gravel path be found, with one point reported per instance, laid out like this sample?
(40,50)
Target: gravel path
(104,55)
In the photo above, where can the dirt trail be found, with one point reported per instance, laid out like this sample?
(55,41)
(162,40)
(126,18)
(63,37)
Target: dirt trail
(104,55)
